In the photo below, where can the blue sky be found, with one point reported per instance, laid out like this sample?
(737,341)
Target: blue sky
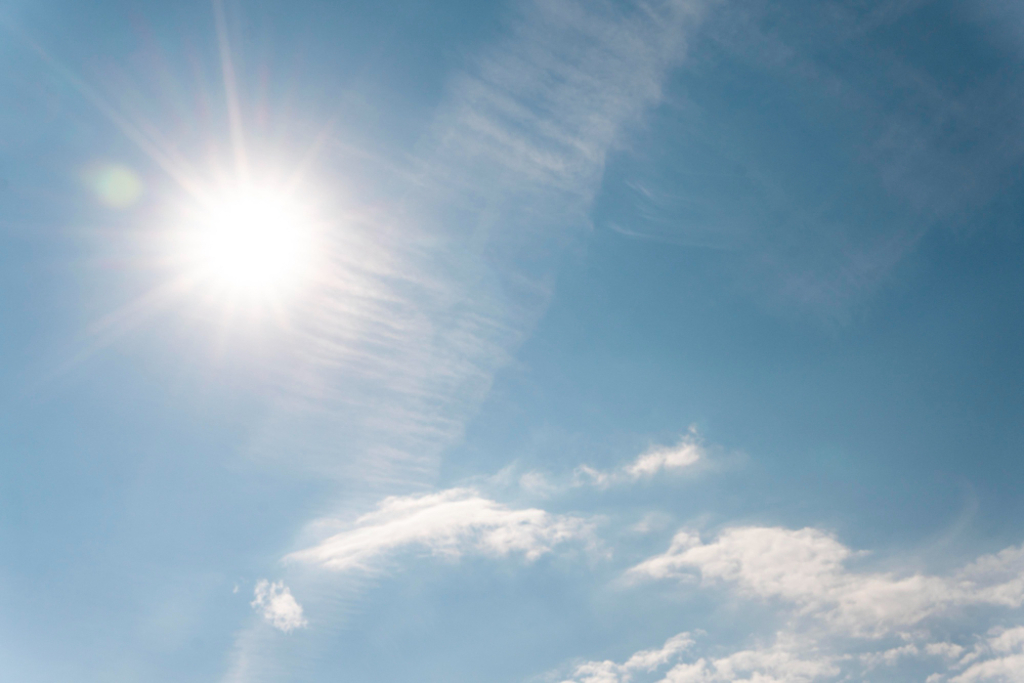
(543,341)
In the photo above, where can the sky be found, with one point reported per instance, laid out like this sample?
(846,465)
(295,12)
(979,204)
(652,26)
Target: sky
(535,341)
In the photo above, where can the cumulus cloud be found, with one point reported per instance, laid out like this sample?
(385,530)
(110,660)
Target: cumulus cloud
(806,567)
(837,623)
(646,660)
(788,657)
(447,523)
(688,452)
(806,657)
(998,658)
(788,660)
(278,606)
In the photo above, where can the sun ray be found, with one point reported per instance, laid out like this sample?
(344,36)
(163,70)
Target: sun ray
(231,91)
(107,329)
(161,155)
(299,174)
(240,243)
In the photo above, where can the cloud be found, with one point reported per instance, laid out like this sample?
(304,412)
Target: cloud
(930,153)
(646,660)
(684,455)
(805,567)
(545,106)
(785,661)
(788,660)
(443,261)
(795,657)
(448,523)
(837,623)
(446,254)
(998,657)
(278,606)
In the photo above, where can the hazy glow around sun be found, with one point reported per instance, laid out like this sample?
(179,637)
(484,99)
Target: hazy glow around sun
(252,241)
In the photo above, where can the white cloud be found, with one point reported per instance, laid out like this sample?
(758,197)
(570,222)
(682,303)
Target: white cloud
(998,658)
(1008,669)
(805,567)
(787,660)
(278,606)
(890,656)
(447,523)
(794,657)
(950,650)
(444,267)
(646,660)
(838,623)
(684,454)
(687,453)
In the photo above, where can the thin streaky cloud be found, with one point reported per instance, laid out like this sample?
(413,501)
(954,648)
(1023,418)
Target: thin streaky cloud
(433,291)
(430,295)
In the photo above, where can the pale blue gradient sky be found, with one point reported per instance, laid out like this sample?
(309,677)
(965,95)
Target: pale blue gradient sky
(775,248)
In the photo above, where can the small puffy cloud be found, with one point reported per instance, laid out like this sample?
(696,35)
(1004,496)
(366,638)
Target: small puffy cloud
(684,454)
(891,656)
(447,523)
(687,453)
(646,660)
(806,567)
(786,661)
(278,606)
(948,650)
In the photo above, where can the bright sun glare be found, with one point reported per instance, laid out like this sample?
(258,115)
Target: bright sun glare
(253,242)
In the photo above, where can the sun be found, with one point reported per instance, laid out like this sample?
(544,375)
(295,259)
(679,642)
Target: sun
(251,242)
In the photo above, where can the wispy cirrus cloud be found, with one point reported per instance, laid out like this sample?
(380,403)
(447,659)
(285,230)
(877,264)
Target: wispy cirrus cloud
(438,279)
(930,147)
(449,523)
(431,288)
